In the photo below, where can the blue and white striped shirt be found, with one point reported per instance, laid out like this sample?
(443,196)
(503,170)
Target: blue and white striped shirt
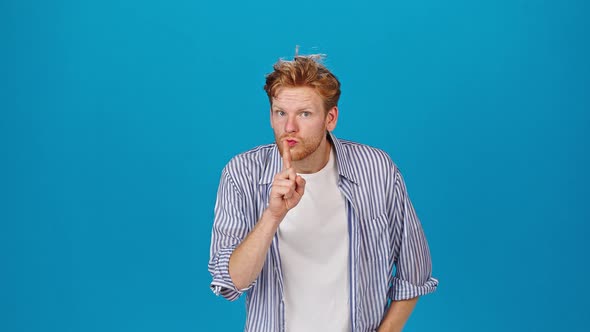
(384,230)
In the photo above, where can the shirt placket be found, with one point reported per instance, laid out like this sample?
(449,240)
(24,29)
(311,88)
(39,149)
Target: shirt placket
(347,190)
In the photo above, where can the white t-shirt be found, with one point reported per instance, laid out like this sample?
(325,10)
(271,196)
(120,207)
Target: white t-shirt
(313,245)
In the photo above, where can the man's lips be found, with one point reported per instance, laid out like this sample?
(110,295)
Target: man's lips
(291,141)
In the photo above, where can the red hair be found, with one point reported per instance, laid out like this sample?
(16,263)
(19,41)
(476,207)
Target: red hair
(304,70)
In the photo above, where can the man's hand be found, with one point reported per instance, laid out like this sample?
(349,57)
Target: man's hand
(247,260)
(287,187)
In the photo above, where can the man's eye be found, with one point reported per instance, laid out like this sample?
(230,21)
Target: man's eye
(305,114)
(280,113)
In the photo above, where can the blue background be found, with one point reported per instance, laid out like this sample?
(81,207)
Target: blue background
(118,116)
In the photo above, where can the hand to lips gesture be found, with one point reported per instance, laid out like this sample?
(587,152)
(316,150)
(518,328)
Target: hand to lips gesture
(287,187)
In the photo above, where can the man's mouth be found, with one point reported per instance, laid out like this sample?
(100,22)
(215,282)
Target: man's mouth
(291,142)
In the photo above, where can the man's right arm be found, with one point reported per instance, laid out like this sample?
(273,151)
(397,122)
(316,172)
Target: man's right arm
(247,260)
(234,267)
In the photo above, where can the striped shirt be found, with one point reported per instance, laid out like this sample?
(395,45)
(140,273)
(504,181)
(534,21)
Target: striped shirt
(389,257)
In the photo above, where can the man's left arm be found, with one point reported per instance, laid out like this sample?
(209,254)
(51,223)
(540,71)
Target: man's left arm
(397,315)
(413,264)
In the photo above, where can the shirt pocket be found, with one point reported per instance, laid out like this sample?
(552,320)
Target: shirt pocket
(375,238)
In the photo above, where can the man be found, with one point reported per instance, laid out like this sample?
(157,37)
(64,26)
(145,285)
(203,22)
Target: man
(311,228)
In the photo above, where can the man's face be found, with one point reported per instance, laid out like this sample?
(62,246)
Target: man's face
(298,116)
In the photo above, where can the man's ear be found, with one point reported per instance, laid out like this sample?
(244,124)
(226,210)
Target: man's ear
(332,118)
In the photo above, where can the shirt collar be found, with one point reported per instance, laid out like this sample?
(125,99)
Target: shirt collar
(274,162)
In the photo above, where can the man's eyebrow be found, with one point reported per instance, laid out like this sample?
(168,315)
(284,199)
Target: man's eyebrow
(308,108)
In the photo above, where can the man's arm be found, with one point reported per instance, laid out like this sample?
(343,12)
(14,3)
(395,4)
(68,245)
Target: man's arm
(247,260)
(397,315)
(412,260)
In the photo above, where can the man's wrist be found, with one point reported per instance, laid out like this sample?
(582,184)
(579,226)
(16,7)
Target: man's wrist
(268,216)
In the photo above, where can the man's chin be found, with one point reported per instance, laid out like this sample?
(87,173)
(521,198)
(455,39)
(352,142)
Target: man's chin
(298,155)
(295,156)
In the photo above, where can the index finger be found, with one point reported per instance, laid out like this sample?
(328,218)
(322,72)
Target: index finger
(286,155)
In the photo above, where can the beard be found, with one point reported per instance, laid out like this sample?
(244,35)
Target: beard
(304,147)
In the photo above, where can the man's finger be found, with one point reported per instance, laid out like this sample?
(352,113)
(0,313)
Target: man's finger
(300,185)
(286,155)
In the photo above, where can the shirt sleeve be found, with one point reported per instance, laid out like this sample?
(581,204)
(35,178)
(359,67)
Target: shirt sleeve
(229,229)
(413,273)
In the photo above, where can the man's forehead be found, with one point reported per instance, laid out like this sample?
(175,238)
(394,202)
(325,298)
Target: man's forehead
(298,95)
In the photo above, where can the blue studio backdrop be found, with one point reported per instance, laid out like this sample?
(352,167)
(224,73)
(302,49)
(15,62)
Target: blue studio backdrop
(116,118)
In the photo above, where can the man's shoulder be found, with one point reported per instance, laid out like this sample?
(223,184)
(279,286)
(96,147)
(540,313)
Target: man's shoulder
(256,153)
(353,145)
(367,165)
(360,152)
(251,161)
(260,151)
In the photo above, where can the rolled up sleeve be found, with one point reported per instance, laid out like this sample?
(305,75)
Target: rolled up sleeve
(413,265)
(229,229)
(222,283)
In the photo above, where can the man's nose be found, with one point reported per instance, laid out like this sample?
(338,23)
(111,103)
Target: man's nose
(291,125)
